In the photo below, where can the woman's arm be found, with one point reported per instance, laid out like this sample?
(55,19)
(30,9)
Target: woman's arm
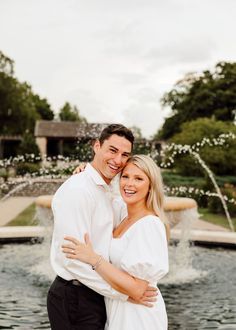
(118,279)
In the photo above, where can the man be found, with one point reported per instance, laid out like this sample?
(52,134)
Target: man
(83,205)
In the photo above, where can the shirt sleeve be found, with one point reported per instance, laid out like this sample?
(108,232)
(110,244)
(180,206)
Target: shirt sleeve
(73,212)
(146,256)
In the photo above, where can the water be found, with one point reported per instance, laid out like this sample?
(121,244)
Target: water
(205,301)
(208,302)
(217,188)
(23,289)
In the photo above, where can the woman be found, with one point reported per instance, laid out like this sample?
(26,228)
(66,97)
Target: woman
(138,247)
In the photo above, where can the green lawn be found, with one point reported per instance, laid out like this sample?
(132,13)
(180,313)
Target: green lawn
(25,218)
(217,219)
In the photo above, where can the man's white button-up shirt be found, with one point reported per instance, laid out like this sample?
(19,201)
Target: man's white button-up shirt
(83,205)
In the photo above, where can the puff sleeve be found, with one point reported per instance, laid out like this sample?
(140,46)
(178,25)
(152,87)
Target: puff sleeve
(146,255)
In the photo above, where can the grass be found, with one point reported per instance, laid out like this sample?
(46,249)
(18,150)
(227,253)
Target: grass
(217,219)
(25,218)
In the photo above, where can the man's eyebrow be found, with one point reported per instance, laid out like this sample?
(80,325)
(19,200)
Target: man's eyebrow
(111,146)
(127,153)
(124,153)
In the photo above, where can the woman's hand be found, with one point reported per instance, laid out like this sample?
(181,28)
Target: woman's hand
(80,251)
(80,168)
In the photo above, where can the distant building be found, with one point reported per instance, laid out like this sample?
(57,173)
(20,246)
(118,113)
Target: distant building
(62,137)
(9,145)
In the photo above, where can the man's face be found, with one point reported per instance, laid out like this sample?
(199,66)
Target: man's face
(111,156)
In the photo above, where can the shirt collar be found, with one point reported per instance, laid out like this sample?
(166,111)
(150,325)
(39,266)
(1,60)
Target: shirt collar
(95,175)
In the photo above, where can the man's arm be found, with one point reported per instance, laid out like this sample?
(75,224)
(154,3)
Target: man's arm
(73,210)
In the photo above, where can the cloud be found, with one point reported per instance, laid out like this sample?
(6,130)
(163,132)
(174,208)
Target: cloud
(131,78)
(184,51)
(144,111)
(91,107)
(114,60)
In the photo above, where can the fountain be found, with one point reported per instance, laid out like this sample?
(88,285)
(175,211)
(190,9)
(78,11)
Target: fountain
(199,292)
(194,152)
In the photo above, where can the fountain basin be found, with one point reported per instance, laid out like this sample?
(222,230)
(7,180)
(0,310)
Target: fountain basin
(16,234)
(175,207)
(181,212)
(170,204)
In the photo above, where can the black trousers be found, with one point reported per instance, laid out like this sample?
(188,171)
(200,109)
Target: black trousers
(75,307)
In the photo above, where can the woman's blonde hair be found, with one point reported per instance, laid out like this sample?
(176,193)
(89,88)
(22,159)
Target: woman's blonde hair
(155,198)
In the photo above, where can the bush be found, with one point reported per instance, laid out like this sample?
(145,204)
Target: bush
(28,145)
(3,173)
(215,204)
(172,179)
(24,168)
(220,159)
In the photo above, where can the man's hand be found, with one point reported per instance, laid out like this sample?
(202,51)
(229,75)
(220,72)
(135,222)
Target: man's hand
(80,168)
(148,297)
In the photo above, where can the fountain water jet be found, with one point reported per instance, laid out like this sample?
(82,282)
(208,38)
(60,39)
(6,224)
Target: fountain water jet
(193,151)
(219,193)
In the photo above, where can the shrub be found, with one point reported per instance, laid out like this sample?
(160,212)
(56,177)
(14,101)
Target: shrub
(215,204)
(24,168)
(221,159)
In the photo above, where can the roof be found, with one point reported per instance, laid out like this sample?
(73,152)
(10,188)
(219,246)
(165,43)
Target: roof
(67,129)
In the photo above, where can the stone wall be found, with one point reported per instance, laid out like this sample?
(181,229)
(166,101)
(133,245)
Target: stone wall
(34,188)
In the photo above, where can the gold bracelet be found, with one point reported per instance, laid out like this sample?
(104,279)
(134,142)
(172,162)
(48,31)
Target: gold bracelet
(94,267)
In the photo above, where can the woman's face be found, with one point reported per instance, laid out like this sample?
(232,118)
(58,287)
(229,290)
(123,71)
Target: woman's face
(134,184)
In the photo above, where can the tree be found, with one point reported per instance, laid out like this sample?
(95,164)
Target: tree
(69,113)
(28,145)
(136,132)
(19,106)
(42,107)
(17,111)
(206,95)
(220,159)
(6,64)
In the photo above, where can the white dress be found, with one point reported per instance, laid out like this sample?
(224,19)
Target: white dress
(142,252)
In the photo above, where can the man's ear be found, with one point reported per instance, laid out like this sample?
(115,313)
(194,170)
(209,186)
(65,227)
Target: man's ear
(96,146)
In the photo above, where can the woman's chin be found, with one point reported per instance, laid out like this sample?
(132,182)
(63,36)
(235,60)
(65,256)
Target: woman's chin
(128,200)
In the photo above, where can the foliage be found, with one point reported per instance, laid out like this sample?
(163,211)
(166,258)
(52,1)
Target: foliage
(209,94)
(172,179)
(43,108)
(6,64)
(19,106)
(136,132)
(27,168)
(142,147)
(16,106)
(28,145)
(69,113)
(215,206)
(220,159)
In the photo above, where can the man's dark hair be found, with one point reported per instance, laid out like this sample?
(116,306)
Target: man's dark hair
(117,129)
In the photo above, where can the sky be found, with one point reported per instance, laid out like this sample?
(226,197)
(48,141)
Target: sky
(114,60)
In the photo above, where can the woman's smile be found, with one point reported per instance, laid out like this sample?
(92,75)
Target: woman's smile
(134,184)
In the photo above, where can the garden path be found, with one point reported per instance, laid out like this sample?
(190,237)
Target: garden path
(12,207)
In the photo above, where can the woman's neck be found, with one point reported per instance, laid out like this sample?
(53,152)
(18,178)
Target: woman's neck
(137,211)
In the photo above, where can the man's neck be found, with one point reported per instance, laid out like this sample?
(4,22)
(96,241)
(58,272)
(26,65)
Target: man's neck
(107,180)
